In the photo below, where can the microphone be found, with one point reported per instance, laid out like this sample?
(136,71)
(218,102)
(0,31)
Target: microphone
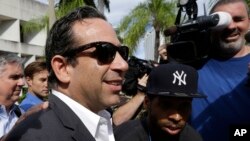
(217,20)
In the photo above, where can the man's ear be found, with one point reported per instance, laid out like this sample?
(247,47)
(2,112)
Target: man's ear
(60,67)
(28,81)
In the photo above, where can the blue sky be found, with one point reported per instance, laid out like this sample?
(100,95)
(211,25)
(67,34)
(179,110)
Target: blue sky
(119,9)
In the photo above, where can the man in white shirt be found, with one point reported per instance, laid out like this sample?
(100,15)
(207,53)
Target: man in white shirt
(86,65)
(11,82)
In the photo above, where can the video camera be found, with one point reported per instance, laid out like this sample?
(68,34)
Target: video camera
(190,41)
(137,68)
(142,66)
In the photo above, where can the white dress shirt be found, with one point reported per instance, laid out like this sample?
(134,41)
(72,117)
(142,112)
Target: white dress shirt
(99,125)
(7,119)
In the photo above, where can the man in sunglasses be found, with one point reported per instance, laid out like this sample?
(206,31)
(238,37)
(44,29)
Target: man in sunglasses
(86,65)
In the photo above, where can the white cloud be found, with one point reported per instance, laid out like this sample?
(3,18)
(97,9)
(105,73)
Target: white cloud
(119,9)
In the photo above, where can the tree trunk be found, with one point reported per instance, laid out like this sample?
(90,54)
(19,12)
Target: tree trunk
(157,44)
(52,15)
(100,6)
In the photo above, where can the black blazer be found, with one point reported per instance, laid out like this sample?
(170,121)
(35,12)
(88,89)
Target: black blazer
(57,123)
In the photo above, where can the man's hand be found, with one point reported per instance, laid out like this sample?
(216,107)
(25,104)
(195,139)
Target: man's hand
(32,110)
(143,81)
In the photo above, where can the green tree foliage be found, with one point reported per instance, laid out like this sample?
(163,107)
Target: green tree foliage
(62,3)
(36,24)
(64,6)
(157,13)
(61,9)
(248,2)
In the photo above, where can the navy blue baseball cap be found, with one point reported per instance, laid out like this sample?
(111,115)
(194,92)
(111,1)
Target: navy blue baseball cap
(175,80)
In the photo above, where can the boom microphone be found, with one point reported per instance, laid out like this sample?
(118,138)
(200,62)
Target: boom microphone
(217,20)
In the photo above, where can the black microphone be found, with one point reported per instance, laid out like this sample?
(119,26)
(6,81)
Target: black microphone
(217,20)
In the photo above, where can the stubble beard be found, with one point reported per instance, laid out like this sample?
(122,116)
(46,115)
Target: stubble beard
(228,48)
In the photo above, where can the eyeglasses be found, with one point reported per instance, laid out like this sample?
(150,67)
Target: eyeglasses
(105,52)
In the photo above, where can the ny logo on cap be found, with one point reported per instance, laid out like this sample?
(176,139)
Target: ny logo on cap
(181,77)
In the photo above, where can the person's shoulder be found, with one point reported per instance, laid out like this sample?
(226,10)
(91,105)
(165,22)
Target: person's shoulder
(128,124)
(120,129)
(29,101)
(35,118)
(25,106)
(130,130)
(37,124)
(247,49)
(189,133)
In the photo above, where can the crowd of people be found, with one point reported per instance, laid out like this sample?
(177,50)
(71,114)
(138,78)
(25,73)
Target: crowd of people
(223,76)
(83,75)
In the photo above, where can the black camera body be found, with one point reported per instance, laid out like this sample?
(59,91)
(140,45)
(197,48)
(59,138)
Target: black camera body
(142,66)
(189,48)
(190,41)
(137,68)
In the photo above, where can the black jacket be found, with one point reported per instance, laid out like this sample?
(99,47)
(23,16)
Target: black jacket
(136,130)
(57,123)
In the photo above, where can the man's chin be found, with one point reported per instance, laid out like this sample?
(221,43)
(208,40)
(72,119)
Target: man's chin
(114,100)
(232,46)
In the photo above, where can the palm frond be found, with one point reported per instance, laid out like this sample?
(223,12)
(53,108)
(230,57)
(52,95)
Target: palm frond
(133,26)
(106,4)
(66,8)
(158,13)
(35,25)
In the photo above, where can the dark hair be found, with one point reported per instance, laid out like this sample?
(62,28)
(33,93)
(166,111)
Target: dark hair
(34,67)
(222,2)
(61,39)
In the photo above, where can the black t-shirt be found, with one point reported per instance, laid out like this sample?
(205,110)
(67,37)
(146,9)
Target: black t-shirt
(136,130)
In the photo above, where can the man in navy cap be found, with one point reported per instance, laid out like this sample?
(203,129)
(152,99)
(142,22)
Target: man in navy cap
(170,90)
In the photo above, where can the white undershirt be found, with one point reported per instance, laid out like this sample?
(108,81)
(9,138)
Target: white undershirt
(95,123)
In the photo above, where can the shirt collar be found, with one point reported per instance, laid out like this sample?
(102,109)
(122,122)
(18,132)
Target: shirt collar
(13,108)
(90,119)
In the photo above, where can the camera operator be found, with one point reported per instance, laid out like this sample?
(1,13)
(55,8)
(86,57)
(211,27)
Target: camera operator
(134,89)
(133,105)
(223,76)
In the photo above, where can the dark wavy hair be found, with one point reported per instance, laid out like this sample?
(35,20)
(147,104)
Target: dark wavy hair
(61,38)
(34,67)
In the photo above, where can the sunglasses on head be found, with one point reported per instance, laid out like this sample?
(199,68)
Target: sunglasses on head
(104,51)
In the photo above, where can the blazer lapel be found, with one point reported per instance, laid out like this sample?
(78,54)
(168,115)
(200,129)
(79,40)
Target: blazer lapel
(82,134)
(70,120)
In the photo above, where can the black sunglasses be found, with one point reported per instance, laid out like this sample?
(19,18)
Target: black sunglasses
(105,52)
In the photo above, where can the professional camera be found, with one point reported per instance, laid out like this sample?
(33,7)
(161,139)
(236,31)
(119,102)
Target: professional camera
(190,41)
(142,66)
(137,68)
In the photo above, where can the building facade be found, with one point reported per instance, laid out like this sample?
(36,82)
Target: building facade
(13,15)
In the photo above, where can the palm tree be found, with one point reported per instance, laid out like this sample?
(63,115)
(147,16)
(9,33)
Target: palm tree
(64,6)
(57,11)
(87,2)
(52,14)
(157,13)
